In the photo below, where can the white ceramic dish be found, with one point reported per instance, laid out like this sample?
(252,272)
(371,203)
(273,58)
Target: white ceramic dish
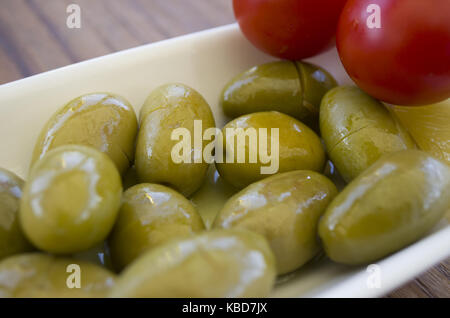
(205,61)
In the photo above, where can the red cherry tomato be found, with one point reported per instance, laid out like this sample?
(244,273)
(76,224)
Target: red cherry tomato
(289,29)
(405,58)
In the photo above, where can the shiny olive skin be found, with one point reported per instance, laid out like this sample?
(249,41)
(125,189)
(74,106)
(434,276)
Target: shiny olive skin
(358,130)
(299,148)
(285,209)
(12,239)
(71,199)
(169,107)
(37,275)
(220,263)
(389,206)
(150,215)
(293,88)
(104,121)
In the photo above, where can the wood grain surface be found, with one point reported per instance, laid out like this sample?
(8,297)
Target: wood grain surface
(34,38)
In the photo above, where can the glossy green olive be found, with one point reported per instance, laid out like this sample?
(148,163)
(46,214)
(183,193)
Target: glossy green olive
(389,206)
(167,108)
(38,275)
(104,121)
(150,215)
(285,209)
(12,239)
(299,148)
(358,130)
(71,199)
(220,263)
(293,88)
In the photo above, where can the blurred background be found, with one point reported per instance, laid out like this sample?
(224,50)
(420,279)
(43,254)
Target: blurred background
(35,38)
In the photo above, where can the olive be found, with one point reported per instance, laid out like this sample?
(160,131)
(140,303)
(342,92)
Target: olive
(38,275)
(12,239)
(290,145)
(104,121)
(170,107)
(71,200)
(387,207)
(220,263)
(293,88)
(285,209)
(358,130)
(150,215)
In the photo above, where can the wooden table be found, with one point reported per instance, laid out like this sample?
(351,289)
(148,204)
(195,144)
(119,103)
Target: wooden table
(34,38)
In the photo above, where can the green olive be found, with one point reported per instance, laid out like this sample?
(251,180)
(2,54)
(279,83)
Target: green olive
(389,206)
(285,209)
(104,121)
(316,82)
(71,200)
(12,239)
(150,215)
(170,107)
(358,130)
(297,147)
(38,275)
(293,88)
(220,263)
